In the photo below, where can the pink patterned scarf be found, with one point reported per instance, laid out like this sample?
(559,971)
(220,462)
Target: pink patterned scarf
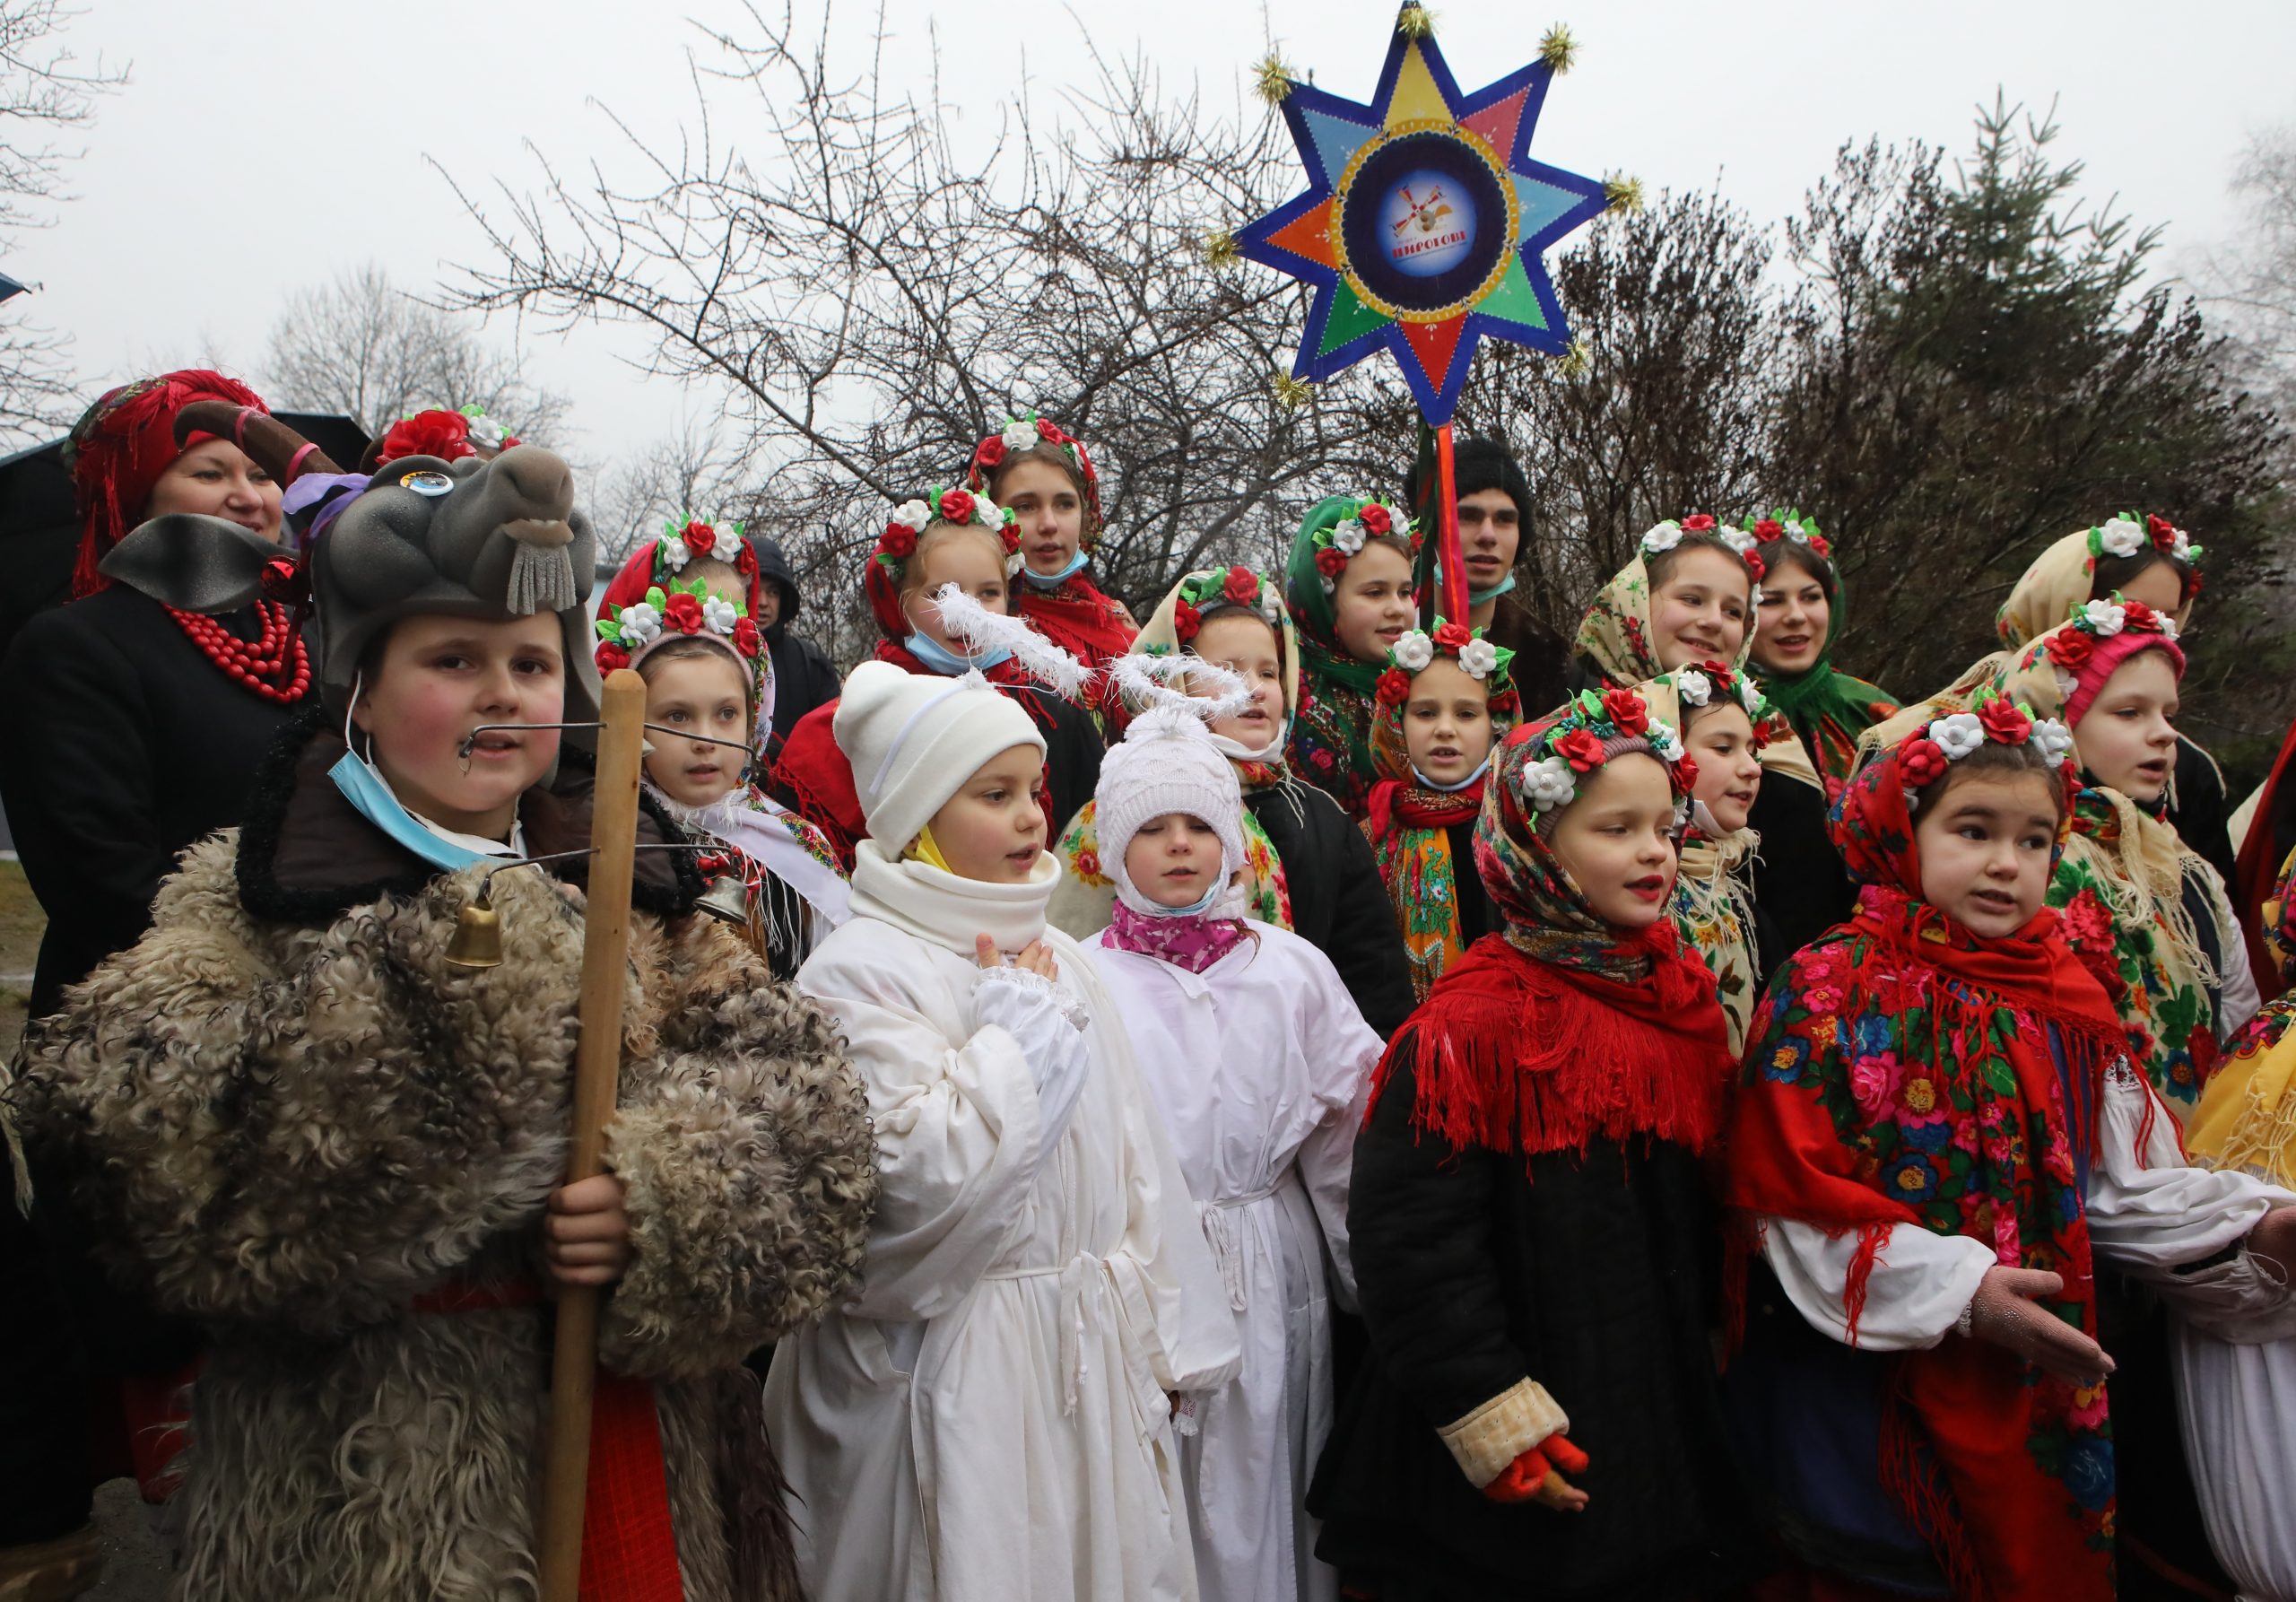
(1193,944)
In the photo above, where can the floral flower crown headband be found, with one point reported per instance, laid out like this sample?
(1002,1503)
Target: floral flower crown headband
(1370,520)
(670,612)
(1572,745)
(1698,684)
(1238,586)
(683,541)
(1787,524)
(1416,650)
(1663,537)
(2125,536)
(1924,757)
(1021,433)
(2069,648)
(911,518)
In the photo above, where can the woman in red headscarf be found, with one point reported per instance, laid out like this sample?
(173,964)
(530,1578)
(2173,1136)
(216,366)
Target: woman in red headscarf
(133,730)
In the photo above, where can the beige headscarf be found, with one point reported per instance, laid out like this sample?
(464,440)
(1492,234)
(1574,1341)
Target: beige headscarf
(1712,906)
(2060,579)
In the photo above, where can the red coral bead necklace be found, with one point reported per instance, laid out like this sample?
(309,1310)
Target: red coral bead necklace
(277,666)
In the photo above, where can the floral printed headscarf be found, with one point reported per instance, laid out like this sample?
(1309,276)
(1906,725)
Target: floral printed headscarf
(2126,882)
(1409,822)
(1331,735)
(2062,577)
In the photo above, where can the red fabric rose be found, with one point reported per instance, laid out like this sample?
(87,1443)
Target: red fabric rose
(1186,619)
(1394,687)
(899,541)
(745,563)
(1241,586)
(2070,648)
(2137,616)
(1011,535)
(1922,762)
(1454,637)
(1624,708)
(1051,432)
(442,434)
(1754,561)
(2004,722)
(1697,523)
(2164,533)
(1582,748)
(956,506)
(1769,528)
(682,612)
(990,452)
(1331,564)
(611,657)
(1375,518)
(745,637)
(1686,774)
(1820,544)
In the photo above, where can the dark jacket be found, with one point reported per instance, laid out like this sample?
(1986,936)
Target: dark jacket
(804,677)
(1801,889)
(1541,670)
(2201,812)
(1337,901)
(125,746)
(1594,1274)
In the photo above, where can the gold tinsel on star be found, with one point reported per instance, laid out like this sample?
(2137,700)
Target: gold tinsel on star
(1291,392)
(1219,247)
(1558,47)
(1274,78)
(1575,361)
(1415,22)
(1623,193)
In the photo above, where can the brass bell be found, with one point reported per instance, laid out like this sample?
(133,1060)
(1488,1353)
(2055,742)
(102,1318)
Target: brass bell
(728,899)
(477,941)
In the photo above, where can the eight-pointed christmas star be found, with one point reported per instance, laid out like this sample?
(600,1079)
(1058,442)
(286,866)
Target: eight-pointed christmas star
(1424,221)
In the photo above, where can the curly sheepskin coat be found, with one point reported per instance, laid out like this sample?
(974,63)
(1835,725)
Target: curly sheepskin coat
(289,1117)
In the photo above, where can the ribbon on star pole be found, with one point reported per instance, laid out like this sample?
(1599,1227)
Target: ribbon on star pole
(1423,230)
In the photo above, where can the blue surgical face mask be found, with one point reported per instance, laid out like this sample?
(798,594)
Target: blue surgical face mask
(1426,783)
(372,799)
(941,659)
(1194,909)
(1476,597)
(1069,569)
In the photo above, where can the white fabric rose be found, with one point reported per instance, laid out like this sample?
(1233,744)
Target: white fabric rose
(1664,740)
(675,552)
(719,613)
(639,624)
(1661,538)
(1792,528)
(2065,684)
(1693,688)
(2104,618)
(1347,538)
(1737,539)
(2120,537)
(985,510)
(1548,783)
(912,516)
(2168,626)
(2052,739)
(1957,734)
(484,431)
(1019,433)
(1330,584)
(1478,658)
(1749,696)
(1413,650)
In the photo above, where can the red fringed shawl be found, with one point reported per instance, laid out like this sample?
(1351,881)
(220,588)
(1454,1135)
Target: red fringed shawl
(1511,1053)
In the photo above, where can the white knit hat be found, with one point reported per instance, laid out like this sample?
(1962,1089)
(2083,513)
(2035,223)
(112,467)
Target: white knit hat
(1167,763)
(914,739)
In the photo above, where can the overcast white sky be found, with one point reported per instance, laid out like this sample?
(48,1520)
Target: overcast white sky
(261,146)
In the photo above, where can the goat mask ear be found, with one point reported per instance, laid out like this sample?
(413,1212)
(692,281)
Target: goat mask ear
(193,562)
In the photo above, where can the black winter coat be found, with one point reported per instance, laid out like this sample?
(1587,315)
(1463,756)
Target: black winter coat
(125,746)
(1337,901)
(804,677)
(1592,1275)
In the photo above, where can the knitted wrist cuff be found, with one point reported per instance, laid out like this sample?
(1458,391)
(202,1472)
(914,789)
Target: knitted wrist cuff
(1486,1441)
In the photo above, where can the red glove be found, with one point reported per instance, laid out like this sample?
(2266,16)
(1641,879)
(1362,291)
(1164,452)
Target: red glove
(1533,1476)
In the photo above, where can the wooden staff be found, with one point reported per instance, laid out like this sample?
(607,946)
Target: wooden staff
(597,1068)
